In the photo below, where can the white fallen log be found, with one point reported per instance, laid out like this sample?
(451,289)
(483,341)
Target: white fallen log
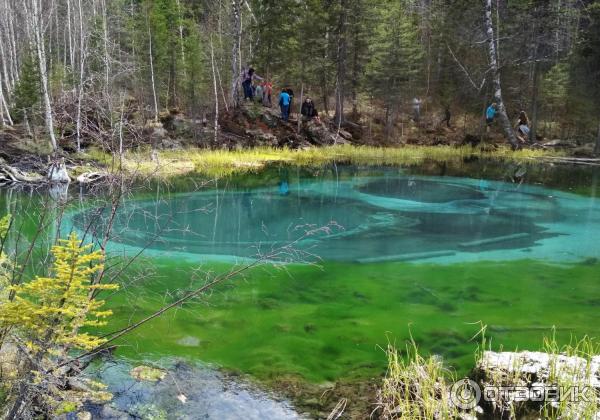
(91,177)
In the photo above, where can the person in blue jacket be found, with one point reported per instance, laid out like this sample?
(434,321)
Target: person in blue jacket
(490,114)
(284,103)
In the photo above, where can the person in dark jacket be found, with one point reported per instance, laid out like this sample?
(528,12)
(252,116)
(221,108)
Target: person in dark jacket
(290,92)
(248,76)
(308,111)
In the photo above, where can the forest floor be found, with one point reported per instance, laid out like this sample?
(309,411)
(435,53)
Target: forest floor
(254,136)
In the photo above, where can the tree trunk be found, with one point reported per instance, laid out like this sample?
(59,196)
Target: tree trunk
(37,26)
(236,21)
(534,102)
(216,93)
(341,65)
(180,21)
(597,148)
(503,117)
(70,34)
(4,111)
(152,68)
(81,68)
(301,102)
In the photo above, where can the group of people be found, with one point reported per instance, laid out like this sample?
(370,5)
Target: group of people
(521,126)
(261,90)
(257,89)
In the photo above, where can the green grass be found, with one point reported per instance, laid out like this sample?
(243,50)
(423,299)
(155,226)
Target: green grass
(415,387)
(225,162)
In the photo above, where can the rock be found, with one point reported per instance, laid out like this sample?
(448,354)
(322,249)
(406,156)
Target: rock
(584,151)
(538,366)
(148,373)
(263,137)
(84,415)
(356,130)
(346,135)
(57,173)
(170,144)
(109,412)
(537,369)
(318,133)
(269,119)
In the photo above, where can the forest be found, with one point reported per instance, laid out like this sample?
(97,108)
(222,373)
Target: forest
(90,71)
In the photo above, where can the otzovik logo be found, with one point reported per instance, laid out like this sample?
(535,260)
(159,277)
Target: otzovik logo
(465,394)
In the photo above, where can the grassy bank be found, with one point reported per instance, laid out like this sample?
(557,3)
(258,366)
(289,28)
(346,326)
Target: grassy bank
(167,164)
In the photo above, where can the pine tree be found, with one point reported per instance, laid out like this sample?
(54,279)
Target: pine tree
(396,58)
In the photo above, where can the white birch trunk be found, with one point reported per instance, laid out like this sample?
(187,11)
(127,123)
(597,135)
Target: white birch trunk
(236,52)
(14,58)
(70,33)
(181,38)
(4,111)
(216,93)
(82,53)
(5,68)
(493,57)
(36,29)
(152,68)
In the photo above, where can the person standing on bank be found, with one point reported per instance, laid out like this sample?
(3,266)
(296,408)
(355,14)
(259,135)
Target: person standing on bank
(284,104)
(248,77)
(523,127)
(259,92)
(447,116)
(291,93)
(308,110)
(490,115)
(267,92)
(416,109)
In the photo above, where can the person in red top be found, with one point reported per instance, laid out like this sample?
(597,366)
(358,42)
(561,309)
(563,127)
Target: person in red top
(267,92)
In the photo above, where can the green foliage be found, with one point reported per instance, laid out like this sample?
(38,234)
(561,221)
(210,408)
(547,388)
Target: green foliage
(396,55)
(27,90)
(43,319)
(50,311)
(276,24)
(5,263)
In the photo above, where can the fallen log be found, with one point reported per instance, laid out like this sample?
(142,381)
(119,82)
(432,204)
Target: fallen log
(92,177)
(494,240)
(11,175)
(407,257)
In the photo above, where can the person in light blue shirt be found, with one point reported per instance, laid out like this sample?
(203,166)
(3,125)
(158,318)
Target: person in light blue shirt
(284,103)
(490,114)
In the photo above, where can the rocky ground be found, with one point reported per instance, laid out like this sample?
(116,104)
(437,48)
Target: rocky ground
(25,155)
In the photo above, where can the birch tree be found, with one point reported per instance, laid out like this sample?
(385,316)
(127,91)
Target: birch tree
(36,24)
(493,59)
(236,51)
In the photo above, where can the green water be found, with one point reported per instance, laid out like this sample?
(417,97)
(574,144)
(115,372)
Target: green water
(332,322)
(455,250)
